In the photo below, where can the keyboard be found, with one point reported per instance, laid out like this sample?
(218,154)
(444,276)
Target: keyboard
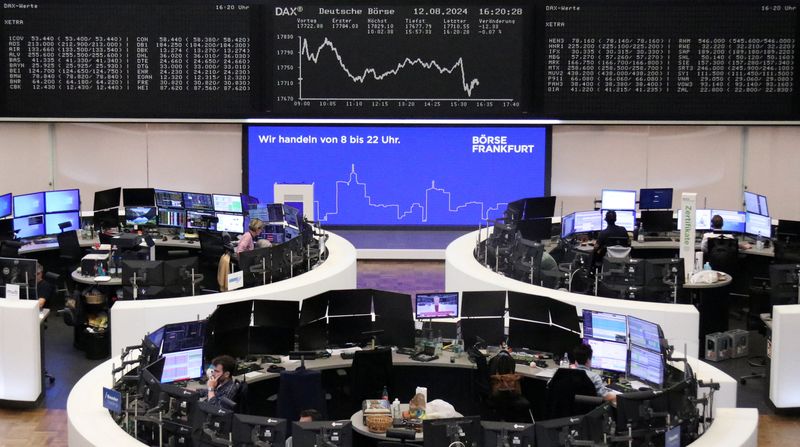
(348,355)
(657,239)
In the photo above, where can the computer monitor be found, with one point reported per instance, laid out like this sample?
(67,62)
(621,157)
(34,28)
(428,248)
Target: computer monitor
(106,219)
(178,274)
(506,434)
(249,202)
(232,223)
(755,203)
(29,204)
(143,216)
(644,334)
(394,305)
(625,219)
(270,340)
(29,226)
(169,199)
(452,431)
(62,201)
(608,355)
(148,273)
(783,279)
(230,316)
(249,430)
(322,433)
(171,217)
(645,412)
(702,219)
(291,215)
(788,228)
(256,264)
(198,201)
(657,221)
(52,221)
(655,199)
(436,305)
(150,383)
(200,220)
(275,313)
(490,303)
(535,229)
(534,207)
(349,302)
(108,198)
(18,271)
(139,197)
(275,212)
(152,344)
(213,424)
(615,199)
(587,221)
(343,331)
(313,308)
(542,337)
(605,326)
(567,225)
(758,225)
(555,432)
(184,336)
(491,330)
(314,336)
(5,205)
(182,365)
(732,221)
(647,366)
(227,203)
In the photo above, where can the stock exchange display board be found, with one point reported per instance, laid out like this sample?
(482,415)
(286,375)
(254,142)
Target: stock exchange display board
(562,59)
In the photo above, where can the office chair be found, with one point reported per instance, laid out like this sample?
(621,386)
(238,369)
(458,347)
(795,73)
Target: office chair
(562,389)
(371,371)
(10,249)
(70,254)
(526,259)
(211,250)
(723,254)
(300,390)
(505,401)
(500,245)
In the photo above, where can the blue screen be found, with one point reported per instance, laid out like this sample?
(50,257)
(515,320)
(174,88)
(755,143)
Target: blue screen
(52,220)
(31,226)
(567,225)
(655,198)
(732,221)
(66,200)
(29,204)
(5,205)
(644,334)
(605,326)
(402,175)
(758,225)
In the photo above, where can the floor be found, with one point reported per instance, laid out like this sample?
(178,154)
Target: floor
(47,425)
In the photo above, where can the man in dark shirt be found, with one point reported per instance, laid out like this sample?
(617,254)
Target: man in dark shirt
(612,235)
(44,289)
(221,384)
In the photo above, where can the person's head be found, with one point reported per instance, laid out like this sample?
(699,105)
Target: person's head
(717,222)
(256,225)
(582,354)
(310,415)
(611,217)
(224,367)
(39,272)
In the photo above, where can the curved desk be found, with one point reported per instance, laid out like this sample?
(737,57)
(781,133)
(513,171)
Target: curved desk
(463,272)
(20,352)
(132,319)
(89,424)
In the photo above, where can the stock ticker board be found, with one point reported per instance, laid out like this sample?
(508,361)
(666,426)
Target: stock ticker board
(618,60)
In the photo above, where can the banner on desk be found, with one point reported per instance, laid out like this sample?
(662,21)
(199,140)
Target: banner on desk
(236,280)
(112,400)
(689,208)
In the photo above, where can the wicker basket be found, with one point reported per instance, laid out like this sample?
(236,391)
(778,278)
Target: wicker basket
(379,423)
(95,297)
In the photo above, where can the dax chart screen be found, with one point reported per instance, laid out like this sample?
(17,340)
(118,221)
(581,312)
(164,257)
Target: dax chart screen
(420,60)
(411,175)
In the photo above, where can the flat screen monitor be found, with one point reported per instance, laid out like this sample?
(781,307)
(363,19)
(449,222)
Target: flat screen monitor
(108,198)
(275,212)
(169,199)
(143,216)
(502,434)
(490,330)
(156,337)
(18,271)
(452,431)
(732,221)
(567,225)
(249,202)
(758,225)
(483,304)
(625,219)
(291,215)
(343,331)
(30,226)
(168,217)
(275,313)
(614,199)
(647,366)
(200,220)
(232,223)
(52,220)
(177,274)
(755,203)
(182,365)
(657,221)
(587,221)
(322,433)
(608,355)
(198,201)
(5,205)
(702,219)
(605,326)
(540,207)
(543,337)
(270,340)
(148,273)
(314,336)
(251,430)
(655,199)
(184,336)
(29,204)
(227,203)
(349,302)
(436,305)
(62,200)
(392,305)
(139,197)
(313,308)
(788,227)
(106,219)
(644,334)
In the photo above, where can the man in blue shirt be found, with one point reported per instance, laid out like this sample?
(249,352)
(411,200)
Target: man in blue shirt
(221,384)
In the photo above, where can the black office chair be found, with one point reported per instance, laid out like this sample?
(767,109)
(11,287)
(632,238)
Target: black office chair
(723,254)
(505,401)
(526,259)
(562,389)
(212,248)
(10,249)
(500,245)
(371,371)
(70,254)
(300,390)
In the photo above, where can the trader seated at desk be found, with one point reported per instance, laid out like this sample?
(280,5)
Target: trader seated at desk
(247,241)
(221,384)
(44,288)
(717,222)
(613,232)
(581,358)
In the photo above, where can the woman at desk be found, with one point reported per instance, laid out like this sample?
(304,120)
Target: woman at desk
(247,242)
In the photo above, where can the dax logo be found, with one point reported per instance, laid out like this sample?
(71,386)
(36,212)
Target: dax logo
(288,11)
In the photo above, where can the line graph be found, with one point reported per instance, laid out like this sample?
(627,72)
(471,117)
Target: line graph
(468,86)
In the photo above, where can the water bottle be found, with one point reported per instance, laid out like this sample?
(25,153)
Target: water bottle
(639,233)
(385,394)
(564,363)
(707,266)
(439,345)
(396,413)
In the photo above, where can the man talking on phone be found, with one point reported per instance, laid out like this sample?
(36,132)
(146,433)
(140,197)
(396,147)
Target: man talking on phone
(220,382)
